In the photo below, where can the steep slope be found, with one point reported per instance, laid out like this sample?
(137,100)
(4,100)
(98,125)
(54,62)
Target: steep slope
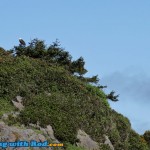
(51,95)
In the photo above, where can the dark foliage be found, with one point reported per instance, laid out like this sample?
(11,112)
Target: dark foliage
(52,54)
(147,137)
(112,97)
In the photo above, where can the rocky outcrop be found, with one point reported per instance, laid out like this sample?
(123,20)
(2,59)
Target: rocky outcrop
(13,134)
(50,133)
(17,102)
(86,142)
(47,131)
(108,142)
(12,113)
(22,133)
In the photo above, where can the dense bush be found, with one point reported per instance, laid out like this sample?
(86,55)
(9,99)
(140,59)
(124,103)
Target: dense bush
(136,142)
(52,54)
(146,137)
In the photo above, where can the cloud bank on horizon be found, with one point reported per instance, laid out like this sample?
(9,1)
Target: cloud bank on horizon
(133,88)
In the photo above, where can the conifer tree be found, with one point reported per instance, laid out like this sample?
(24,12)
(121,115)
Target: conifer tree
(112,97)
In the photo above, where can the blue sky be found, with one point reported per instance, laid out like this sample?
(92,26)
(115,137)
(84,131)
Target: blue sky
(112,36)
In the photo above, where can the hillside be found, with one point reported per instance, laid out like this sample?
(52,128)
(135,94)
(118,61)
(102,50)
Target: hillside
(54,95)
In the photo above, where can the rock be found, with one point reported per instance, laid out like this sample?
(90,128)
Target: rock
(12,134)
(48,94)
(5,117)
(28,132)
(15,114)
(34,137)
(18,105)
(43,130)
(22,126)
(41,138)
(38,125)
(12,113)
(32,125)
(18,102)
(50,133)
(86,142)
(2,123)
(108,142)
(19,99)
(4,134)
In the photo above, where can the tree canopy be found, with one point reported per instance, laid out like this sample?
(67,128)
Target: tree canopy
(56,55)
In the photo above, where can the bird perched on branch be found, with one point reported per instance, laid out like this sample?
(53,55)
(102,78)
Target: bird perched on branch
(22,42)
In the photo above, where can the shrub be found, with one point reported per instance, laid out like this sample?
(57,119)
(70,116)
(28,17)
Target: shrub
(147,137)
(135,142)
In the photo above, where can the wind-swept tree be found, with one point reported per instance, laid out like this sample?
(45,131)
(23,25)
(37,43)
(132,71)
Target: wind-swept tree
(77,66)
(59,55)
(112,97)
(35,49)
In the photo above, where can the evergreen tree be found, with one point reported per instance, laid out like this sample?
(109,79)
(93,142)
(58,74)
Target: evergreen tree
(57,54)
(77,66)
(112,97)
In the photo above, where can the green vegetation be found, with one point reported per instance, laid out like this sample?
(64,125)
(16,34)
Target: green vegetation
(73,147)
(137,142)
(146,137)
(47,78)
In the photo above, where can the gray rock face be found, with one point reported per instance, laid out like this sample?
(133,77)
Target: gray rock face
(5,116)
(18,105)
(19,99)
(13,134)
(108,142)
(50,133)
(17,102)
(86,142)
(41,138)
(47,93)
(14,114)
